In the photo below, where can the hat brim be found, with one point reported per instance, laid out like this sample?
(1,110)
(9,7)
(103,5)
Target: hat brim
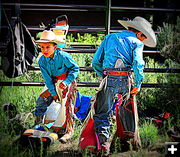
(150,41)
(45,41)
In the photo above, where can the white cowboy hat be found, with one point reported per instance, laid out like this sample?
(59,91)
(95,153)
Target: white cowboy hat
(143,26)
(47,36)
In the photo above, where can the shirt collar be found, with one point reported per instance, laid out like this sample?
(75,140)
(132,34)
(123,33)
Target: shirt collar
(130,33)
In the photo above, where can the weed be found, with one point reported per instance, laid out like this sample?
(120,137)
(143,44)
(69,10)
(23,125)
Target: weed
(148,134)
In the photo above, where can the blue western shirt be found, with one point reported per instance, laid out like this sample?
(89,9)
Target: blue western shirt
(61,63)
(123,45)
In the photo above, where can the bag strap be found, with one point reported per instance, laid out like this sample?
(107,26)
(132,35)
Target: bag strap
(17,10)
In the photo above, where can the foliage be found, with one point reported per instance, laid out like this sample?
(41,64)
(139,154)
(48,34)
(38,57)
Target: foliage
(86,38)
(23,97)
(9,134)
(9,150)
(148,134)
(169,41)
(165,98)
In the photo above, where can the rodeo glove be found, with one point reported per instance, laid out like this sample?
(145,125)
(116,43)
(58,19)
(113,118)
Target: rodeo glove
(135,90)
(62,85)
(56,97)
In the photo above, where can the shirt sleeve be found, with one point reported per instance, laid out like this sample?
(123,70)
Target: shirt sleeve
(138,65)
(73,69)
(97,62)
(47,78)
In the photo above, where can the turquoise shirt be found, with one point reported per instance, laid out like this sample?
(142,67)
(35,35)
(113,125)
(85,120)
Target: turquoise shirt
(61,63)
(124,45)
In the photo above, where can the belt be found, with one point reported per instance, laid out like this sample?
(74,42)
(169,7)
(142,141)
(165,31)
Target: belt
(60,77)
(117,73)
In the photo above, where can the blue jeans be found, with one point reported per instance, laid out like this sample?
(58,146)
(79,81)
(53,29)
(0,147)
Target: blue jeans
(105,99)
(42,104)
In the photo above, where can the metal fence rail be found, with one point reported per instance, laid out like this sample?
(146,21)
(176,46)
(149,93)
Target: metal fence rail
(149,70)
(27,6)
(95,84)
(82,50)
(83,84)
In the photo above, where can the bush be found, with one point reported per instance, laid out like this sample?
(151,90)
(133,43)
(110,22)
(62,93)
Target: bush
(169,41)
(148,134)
(165,98)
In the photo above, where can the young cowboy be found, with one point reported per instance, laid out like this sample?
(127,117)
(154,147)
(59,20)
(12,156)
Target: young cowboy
(56,66)
(114,59)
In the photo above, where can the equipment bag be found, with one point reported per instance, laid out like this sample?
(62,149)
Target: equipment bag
(18,50)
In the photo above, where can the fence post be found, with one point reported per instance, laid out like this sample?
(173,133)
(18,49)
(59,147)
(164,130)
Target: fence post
(108,16)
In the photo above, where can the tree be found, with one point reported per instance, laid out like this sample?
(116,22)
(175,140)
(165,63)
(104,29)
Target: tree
(169,41)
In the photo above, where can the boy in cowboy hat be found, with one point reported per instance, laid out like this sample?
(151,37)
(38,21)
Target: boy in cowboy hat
(114,59)
(56,66)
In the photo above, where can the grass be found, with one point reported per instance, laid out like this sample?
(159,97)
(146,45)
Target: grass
(148,134)
(23,97)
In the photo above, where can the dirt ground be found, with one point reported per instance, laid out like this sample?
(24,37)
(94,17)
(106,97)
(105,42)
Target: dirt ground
(71,149)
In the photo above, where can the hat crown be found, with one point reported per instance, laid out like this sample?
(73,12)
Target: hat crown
(142,25)
(48,35)
(142,21)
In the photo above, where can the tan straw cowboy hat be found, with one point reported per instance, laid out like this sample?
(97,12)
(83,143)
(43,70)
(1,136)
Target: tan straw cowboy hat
(47,36)
(143,26)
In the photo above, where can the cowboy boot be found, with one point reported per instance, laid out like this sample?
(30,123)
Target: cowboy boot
(105,146)
(66,137)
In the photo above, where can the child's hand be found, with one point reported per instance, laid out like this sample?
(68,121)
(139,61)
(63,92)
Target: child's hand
(55,97)
(135,90)
(62,85)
